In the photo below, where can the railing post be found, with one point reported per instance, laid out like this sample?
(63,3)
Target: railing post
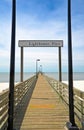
(82,116)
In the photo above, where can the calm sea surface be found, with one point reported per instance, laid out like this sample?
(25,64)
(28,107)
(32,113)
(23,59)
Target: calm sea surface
(4,77)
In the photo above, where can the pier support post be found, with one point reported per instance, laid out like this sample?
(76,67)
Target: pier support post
(60,75)
(70,125)
(70,68)
(12,69)
(21,78)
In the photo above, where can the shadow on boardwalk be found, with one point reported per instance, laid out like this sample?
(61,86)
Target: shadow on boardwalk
(20,111)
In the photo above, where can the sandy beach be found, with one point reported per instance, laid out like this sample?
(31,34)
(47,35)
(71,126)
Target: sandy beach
(79,84)
(4,86)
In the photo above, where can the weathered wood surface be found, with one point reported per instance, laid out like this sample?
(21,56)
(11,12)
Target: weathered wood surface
(45,110)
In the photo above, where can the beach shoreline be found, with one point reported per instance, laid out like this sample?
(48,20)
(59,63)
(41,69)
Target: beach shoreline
(78,84)
(4,86)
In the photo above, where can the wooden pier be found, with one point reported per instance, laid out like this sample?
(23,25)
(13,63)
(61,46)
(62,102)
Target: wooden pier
(41,104)
(45,111)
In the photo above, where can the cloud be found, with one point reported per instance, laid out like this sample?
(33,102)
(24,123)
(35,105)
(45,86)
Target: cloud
(5,35)
(35,27)
(8,1)
(78,38)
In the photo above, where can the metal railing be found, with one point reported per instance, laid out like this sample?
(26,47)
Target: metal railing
(62,90)
(20,91)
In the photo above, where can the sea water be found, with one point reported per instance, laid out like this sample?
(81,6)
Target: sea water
(4,77)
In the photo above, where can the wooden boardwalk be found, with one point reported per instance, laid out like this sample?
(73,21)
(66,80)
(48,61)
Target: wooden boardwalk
(45,111)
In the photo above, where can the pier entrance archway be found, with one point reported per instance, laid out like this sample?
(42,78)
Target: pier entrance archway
(41,43)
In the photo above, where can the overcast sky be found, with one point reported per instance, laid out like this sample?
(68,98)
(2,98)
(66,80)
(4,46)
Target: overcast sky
(42,20)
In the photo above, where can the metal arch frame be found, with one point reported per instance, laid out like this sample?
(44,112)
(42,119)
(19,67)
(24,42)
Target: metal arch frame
(41,43)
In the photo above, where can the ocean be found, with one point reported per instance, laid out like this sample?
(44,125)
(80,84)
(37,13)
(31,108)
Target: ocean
(4,77)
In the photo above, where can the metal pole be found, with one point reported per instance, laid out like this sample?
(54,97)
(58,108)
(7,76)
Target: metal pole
(41,69)
(36,68)
(12,69)
(21,64)
(60,75)
(70,69)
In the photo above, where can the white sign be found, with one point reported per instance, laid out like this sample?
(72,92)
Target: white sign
(40,43)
